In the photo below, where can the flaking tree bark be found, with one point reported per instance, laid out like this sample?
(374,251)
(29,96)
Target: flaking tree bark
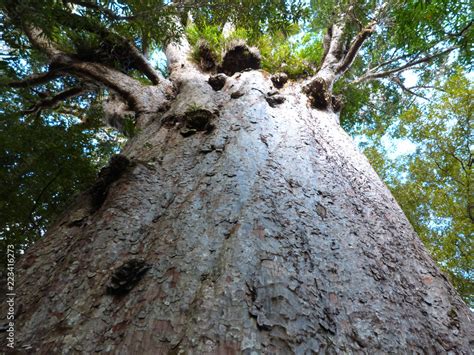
(240,219)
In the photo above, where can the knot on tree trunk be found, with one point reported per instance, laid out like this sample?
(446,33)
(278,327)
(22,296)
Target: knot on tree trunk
(127,276)
(217,82)
(199,119)
(279,80)
(275,100)
(111,173)
(195,119)
(319,93)
(239,57)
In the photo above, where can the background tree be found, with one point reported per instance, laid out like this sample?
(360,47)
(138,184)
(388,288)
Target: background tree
(434,184)
(45,160)
(211,206)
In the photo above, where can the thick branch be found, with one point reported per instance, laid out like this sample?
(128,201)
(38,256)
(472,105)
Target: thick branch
(337,59)
(127,46)
(335,51)
(123,84)
(326,43)
(41,42)
(355,47)
(319,87)
(177,53)
(129,88)
(143,65)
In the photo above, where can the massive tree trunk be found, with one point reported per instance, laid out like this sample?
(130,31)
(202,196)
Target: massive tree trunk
(238,221)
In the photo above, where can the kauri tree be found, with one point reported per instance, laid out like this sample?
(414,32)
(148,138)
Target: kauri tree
(239,217)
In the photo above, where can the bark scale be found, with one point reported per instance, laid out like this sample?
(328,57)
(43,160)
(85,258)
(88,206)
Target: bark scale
(263,230)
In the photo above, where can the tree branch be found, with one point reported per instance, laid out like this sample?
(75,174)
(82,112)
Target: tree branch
(35,79)
(129,88)
(41,42)
(326,43)
(438,88)
(397,81)
(378,75)
(94,6)
(42,192)
(52,101)
(338,56)
(142,63)
(355,47)
(463,167)
(126,46)
(361,37)
(461,31)
(449,175)
(390,61)
(394,59)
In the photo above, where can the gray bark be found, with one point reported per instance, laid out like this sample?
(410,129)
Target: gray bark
(255,228)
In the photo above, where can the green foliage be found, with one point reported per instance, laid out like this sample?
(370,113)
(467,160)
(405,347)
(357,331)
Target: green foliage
(435,185)
(370,108)
(45,158)
(434,20)
(65,21)
(410,30)
(410,26)
(42,165)
(296,55)
(212,35)
(274,28)
(257,17)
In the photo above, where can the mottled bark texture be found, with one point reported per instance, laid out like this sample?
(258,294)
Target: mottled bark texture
(260,230)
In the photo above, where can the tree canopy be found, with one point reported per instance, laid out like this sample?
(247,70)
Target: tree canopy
(63,60)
